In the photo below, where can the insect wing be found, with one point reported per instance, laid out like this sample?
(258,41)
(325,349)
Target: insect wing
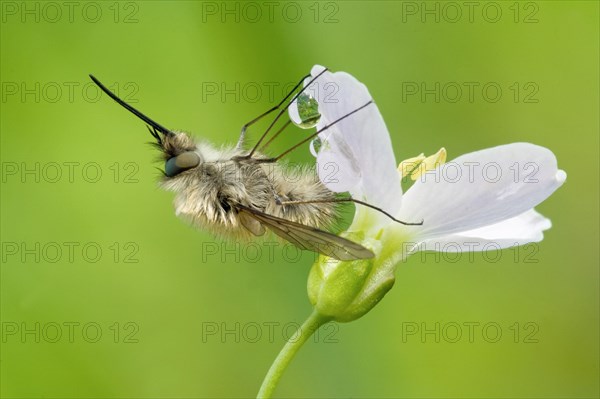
(310,238)
(251,224)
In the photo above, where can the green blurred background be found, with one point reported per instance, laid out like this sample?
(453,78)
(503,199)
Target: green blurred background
(176,313)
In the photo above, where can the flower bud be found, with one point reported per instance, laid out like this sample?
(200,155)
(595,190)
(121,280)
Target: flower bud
(346,290)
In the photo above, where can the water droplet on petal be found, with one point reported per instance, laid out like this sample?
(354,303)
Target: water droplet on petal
(315,146)
(308,111)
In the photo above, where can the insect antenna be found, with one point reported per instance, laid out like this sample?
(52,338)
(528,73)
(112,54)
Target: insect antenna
(155,126)
(262,137)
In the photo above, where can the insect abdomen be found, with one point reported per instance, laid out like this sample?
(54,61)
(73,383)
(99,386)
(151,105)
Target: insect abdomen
(210,196)
(303,186)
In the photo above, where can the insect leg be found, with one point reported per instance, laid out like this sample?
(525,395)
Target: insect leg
(265,145)
(279,202)
(312,136)
(280,112)
(253,121)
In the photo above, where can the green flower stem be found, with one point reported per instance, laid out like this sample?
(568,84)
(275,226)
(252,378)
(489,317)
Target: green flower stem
(312,324)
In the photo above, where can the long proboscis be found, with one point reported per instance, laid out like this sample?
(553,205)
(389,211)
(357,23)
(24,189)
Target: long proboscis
(134,111)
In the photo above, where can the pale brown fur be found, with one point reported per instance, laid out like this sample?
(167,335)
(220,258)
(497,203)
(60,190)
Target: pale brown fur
(209,194)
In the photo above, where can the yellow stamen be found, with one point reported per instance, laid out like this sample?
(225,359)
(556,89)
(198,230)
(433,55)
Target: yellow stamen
(410,164)
(430,163)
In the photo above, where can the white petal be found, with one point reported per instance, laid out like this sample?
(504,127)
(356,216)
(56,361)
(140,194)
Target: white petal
(480,189)
(356,154)
(522,229)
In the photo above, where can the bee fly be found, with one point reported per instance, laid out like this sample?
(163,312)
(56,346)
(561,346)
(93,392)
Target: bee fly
(238,193)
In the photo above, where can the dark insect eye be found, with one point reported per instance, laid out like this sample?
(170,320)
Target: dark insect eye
(181,162)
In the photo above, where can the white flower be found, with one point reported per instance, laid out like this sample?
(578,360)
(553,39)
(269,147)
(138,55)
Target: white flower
(480,198)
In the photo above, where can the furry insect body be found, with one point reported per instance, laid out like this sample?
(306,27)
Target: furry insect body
(210,194)
(237,193)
